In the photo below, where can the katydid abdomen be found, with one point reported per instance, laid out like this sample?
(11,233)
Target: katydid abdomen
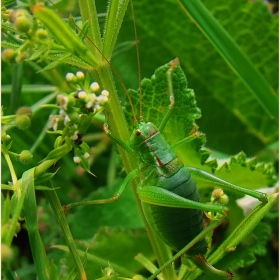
(175,226)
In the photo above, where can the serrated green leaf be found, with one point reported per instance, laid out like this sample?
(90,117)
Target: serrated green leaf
(5,44)
(57,61)
(182,120)
(249,175)
(155,97)
(70,60)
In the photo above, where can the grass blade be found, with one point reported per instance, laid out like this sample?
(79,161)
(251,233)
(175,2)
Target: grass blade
(233,55)
(61,219)
(37,247)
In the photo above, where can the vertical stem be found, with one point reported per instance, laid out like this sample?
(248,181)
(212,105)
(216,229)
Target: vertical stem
(118,125)
(88,12)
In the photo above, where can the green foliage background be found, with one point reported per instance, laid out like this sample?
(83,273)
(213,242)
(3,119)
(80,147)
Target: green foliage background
(231,118)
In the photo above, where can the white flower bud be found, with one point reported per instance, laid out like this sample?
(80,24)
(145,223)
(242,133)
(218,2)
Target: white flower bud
(105,92)
(82,94)
(69,77)
(80,75)
(95,86)
(77,159)
(86,155)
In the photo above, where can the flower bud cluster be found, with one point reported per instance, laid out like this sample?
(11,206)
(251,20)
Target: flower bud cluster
(219,197)
(83,153)
(21,20)
(87,99)
(76,111)
(90,93)
(32,36)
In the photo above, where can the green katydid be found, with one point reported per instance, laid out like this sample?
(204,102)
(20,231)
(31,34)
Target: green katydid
(168,186)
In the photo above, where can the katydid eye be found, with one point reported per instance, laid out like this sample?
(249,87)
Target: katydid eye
(138,132)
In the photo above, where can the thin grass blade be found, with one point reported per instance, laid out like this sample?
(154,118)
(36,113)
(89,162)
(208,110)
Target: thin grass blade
(233,55)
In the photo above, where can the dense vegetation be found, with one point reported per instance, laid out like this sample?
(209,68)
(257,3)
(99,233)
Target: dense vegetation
(55,152)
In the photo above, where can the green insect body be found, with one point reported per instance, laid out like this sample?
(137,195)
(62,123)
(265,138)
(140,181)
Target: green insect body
(164,169)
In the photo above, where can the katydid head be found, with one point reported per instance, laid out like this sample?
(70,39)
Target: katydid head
(142,132)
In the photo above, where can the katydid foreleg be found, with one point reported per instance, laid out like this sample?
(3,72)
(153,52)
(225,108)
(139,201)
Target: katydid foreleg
(115,197)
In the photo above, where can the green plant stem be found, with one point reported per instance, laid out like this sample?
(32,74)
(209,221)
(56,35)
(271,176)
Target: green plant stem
(10,165)
(61,219)
(119,126)
(114,113)
(89,13)
(36,243)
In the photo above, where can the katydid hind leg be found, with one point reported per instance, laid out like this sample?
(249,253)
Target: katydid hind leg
(201,175)
(162,197)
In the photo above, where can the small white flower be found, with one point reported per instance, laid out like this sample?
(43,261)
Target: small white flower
(82,94)
(97,107)
(102,100)
(62,113)
(53,122)
(66,119)
(74,136)
(86,155)
(95,86)
(105,92)
(77,159)
(62,101)
(69,77)
(92,101)
(80,75)
(89,104)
